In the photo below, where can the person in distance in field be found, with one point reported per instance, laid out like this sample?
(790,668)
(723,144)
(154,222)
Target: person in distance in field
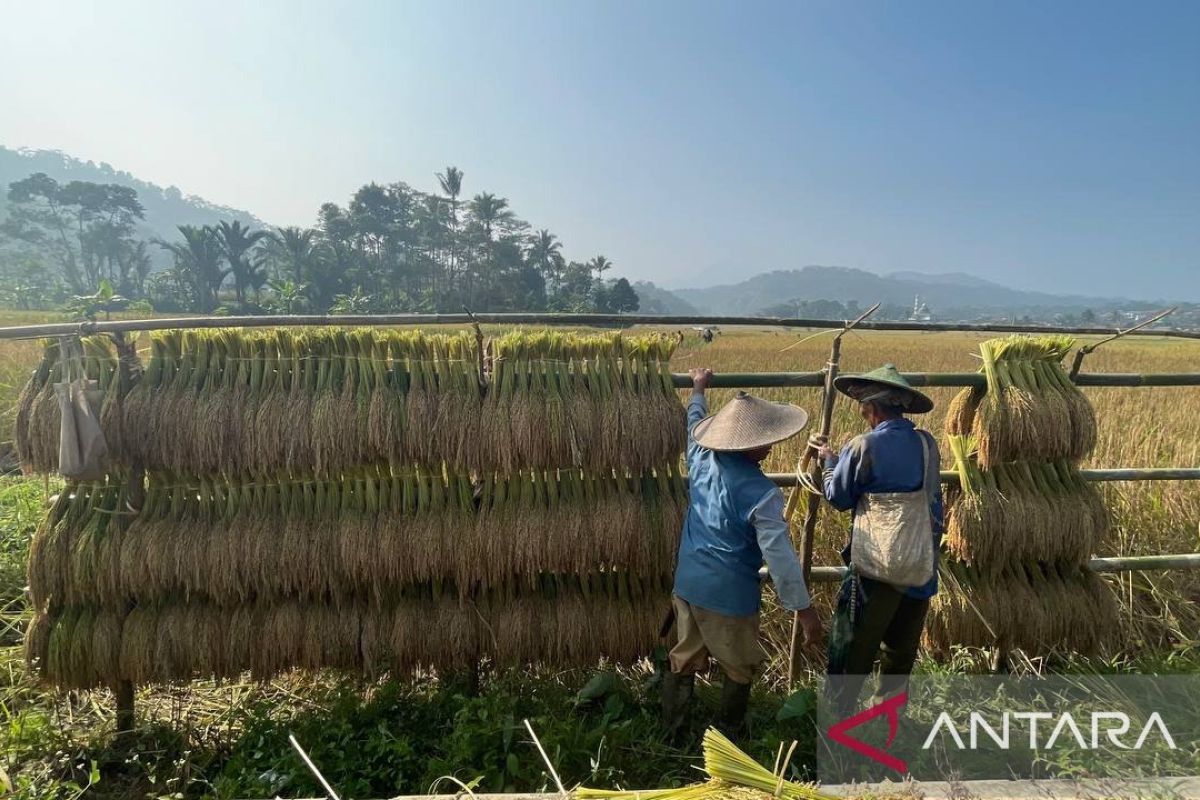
(734,522)
(880,612)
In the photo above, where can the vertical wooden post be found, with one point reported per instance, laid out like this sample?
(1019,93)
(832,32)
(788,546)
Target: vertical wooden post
(131,372)
(125,710)
(812,463)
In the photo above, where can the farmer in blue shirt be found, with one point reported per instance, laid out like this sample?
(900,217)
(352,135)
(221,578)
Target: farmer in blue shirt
(876,619)
(734,522)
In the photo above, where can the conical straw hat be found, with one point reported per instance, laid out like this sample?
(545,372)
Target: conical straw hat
(860,387)
(748,423)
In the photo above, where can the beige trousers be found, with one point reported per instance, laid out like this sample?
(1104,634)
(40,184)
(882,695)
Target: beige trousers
(732,641)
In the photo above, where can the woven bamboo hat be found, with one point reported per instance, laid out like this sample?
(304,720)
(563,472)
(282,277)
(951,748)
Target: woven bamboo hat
(865,387)
(748,423)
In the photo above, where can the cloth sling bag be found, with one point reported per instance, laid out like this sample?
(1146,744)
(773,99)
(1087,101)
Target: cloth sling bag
(82,450)
(892,539)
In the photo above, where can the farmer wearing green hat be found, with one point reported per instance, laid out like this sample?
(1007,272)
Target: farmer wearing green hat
(889,477)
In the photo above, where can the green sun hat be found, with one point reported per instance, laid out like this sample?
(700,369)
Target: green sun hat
(863,387)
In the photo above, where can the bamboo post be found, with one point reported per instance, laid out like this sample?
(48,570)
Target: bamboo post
(131,372)
(813,505)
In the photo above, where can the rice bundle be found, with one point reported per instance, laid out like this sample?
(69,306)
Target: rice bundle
(1036,609)
(38,419)
(1031,410)
(229,540)
(83,647)
(1021,513)
(600,402)
(733,774)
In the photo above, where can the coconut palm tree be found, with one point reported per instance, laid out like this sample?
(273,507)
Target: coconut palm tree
(600,265)
(490,212)
(236,241)
(545,255)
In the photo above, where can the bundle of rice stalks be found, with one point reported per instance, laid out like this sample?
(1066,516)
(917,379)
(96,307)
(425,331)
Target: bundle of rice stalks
(38,419)
(229,540)
(1037,609)
(734,775)
(1031,410)
(552,623)
(597,401)
(1021,513)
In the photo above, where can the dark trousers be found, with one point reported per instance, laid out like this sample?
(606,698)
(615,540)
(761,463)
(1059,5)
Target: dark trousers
(873,619)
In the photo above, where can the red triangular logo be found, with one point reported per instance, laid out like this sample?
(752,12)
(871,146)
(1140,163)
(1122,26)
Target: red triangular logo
(891,708)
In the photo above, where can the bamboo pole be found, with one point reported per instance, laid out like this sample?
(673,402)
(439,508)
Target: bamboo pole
(784,380)
(583,320)
(1171,562)
(812,508)
(786,479)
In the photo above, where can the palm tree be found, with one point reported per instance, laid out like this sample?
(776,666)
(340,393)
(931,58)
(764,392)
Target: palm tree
(451,183)
(198,260)
(490,212)
(236,240)
(600,265)
(545,255)
(293,250)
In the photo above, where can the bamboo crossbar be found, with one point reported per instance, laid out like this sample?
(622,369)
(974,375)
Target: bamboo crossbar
(1172,563)
(779,380)
(1094,475)
(270,321)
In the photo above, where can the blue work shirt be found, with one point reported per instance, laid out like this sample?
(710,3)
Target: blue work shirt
(886,459)
(734,522)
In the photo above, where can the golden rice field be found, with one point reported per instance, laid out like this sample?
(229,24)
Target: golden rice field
(1137,427)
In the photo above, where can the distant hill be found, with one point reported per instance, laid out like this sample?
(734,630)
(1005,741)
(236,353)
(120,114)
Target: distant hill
(656,300)
(949,296)
(166,208)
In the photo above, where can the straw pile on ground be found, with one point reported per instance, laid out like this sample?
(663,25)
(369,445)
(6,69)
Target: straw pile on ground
(1022,524)
(361,500)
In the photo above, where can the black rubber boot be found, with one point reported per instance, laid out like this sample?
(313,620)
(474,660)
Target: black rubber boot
(677,691)
(735,699)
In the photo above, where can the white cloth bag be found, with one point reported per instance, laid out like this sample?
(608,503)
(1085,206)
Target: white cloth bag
(892,539)
(82,450)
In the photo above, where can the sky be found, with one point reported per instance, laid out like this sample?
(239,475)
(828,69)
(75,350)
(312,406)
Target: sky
(1051,146)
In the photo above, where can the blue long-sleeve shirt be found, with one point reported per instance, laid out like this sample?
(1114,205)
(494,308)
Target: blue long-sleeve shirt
(886,459)
(734,522)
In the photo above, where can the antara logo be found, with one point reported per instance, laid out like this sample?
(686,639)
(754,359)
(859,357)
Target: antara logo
(889,708)
(1106,727)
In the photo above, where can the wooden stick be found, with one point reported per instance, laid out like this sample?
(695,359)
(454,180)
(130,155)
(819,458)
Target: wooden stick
(313,767)
(813,509)
(1083,351)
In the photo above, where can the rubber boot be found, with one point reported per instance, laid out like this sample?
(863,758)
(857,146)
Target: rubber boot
(735,699)
(677,691)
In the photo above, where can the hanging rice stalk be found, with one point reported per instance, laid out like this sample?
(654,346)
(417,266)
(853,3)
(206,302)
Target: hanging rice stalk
(84,647)
(1021,513)
(1031,410)
(232,539)
(1037,609)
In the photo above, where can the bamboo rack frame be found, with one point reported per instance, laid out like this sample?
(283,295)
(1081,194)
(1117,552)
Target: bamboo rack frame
(727,380)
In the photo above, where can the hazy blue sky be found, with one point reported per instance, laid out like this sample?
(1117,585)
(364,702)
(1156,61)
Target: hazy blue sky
(1043,144)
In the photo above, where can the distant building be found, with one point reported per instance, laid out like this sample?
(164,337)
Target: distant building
(920,311)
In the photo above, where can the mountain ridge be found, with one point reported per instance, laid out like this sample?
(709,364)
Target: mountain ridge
(166,207)
(946,294)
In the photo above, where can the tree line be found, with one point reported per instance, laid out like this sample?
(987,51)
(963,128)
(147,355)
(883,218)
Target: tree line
(392,248)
